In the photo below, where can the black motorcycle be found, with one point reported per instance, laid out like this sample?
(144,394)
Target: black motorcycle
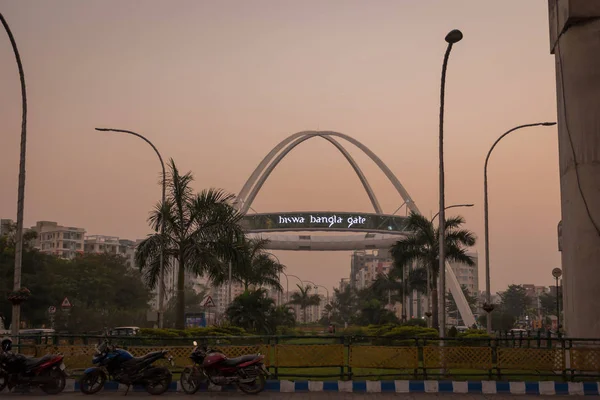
(122,367)
(17,370)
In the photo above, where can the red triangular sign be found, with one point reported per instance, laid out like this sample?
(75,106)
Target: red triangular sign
(209,302)
(66,303)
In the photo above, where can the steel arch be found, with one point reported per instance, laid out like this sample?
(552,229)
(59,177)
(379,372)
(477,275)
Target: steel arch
(250,190)
(269,162)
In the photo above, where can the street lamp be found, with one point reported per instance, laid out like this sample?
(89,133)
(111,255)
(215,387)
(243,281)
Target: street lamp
(488,306)
(452,206)
(287,283)
(16,308)
(161,284)
(557,273)
(452,37)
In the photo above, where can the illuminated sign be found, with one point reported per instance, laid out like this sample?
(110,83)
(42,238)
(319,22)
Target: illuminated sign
(324,221)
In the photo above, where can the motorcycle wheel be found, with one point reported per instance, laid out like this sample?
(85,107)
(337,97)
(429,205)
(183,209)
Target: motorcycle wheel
(159,385)
(3,381)
(59,381)
(189,380)
(257,386)
(92,382)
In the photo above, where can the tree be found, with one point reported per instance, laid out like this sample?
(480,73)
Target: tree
(304,299)
(194,297)
(252,311)
(372,311)
(515,301)
(344,305)
(198,235)
(421,249)
(451,306)
(252,265)
(104,292)
(548,304)
(501,320)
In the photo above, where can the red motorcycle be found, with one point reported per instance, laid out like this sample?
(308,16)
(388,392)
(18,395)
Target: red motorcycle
(47,373)
(247,372)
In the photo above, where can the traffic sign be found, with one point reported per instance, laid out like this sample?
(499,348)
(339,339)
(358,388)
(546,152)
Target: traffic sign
(51,309)
(66,303)
(209,302)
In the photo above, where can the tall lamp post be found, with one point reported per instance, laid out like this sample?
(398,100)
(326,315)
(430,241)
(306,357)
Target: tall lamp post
(161,284)
(452,37)
(488,307)
(16,308)
(557,273)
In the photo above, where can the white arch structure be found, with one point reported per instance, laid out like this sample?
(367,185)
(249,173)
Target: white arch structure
(273,158)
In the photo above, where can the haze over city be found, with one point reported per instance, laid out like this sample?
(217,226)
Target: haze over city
(215,85)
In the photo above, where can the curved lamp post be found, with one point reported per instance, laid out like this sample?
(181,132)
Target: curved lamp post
(287,280)
(452,37)
(488,307)
(161,284)
(16,308)
(452,206)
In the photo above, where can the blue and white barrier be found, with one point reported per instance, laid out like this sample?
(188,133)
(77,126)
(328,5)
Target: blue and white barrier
(472,387)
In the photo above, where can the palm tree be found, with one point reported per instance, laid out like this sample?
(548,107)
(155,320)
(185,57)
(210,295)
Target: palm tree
(421,249)
(304,299)
(252,265)
(196,238)
(252,310)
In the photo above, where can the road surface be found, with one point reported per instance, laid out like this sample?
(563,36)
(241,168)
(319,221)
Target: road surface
(286,396)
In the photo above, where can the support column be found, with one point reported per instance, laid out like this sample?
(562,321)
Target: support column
(575,43)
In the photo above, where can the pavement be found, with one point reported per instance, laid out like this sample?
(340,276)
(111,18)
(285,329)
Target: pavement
(288,396)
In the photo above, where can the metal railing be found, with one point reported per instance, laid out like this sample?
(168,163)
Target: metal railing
(372,357)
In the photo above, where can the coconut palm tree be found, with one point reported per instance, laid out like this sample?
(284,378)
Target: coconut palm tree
(252,310)
(421,249)
(304,299)
(252,265)
(197,235)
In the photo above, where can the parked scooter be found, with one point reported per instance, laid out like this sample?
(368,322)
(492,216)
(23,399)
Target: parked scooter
(247,372)
(47,373)
(122,367)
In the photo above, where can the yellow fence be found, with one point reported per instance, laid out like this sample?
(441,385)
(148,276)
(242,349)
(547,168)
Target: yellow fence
(482,360)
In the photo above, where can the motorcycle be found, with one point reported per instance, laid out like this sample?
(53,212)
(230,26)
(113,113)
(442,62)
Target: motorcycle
(47,372)
(122,367)
(247,372)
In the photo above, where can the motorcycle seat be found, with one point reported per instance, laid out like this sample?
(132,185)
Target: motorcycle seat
(232,362)
(153,354)
(34,362)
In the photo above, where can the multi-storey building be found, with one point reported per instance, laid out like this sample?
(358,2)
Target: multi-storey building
(6,226)
(111,245)
(360,260)
(62,241)
(220,295)
(468,275)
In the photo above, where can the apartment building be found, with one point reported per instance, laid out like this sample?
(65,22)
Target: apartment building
(62,241)
(468,275)
(112,245)
(361,259)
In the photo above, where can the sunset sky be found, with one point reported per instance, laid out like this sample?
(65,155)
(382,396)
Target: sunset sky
(216,84)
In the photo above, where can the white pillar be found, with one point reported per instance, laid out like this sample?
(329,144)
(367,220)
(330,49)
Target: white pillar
(575,42)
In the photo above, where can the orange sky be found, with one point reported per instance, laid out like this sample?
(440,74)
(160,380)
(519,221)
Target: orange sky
(217,84)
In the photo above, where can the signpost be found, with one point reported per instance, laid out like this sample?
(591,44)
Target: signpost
(209,303)
(324,221)
(66,304)
(52,311)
